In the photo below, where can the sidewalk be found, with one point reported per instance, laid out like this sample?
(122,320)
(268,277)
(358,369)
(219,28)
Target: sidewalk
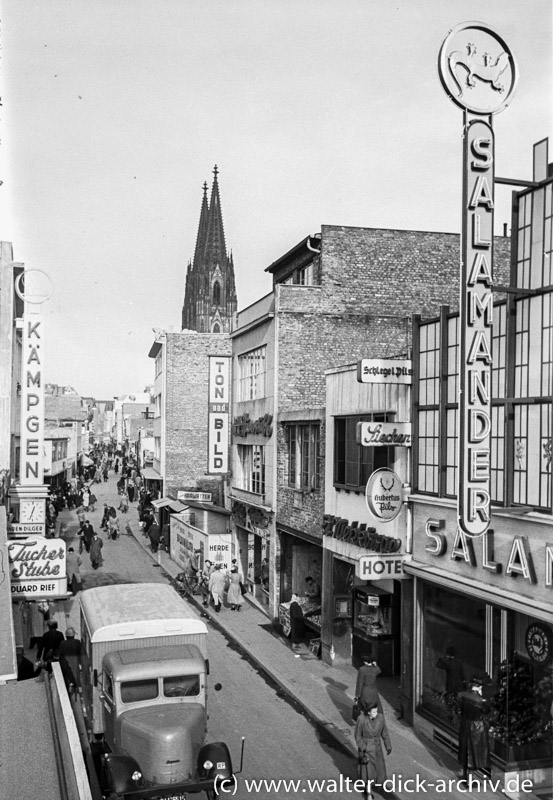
(324,693)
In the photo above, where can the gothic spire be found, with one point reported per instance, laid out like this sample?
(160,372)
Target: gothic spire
(216,252)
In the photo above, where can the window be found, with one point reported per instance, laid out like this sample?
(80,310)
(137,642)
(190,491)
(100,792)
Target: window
(149,414)
(216,293)
(181,686)
(252,373)
(304,456)
(251,458)
(353,463)
(138,691)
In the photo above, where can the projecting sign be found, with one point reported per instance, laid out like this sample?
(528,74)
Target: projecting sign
(382,434)
(218,414)
(384,495)
(376,568)
(37,567)
(374,370)
(479,74)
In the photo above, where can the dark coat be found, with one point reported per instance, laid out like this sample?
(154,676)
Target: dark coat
(454,673)
(96,552)
(365,688)
(70,653)
(50,643)
(474,750)
(296,623)
(368,735)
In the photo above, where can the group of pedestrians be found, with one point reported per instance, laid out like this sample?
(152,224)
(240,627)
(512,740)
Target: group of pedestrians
(213,582)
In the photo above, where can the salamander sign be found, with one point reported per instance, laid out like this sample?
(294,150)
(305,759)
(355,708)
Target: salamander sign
(479,74)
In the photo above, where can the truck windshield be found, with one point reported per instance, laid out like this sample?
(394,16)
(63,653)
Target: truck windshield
(181,685)
(136,691)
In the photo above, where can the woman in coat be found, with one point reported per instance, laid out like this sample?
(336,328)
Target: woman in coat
(73,567)
(370,728)
(234,594)
(366,692)
(296,622)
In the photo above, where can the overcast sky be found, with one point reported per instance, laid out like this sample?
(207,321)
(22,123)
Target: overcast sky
(315,111)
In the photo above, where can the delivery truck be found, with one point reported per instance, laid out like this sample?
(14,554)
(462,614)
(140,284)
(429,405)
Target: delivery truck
(144,680)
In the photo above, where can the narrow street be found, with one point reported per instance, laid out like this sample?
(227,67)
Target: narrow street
(281,743)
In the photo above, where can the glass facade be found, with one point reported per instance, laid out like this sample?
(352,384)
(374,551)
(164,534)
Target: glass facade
(464,637)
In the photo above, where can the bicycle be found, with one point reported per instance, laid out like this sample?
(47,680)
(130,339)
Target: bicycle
(190,584)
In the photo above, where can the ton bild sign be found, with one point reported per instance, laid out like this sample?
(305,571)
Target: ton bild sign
(218,414)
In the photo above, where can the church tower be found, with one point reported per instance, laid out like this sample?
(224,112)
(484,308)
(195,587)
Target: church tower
(210,293)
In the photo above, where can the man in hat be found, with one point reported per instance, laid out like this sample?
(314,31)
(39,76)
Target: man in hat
(25,668)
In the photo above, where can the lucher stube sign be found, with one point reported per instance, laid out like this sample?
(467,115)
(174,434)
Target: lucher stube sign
(479,74)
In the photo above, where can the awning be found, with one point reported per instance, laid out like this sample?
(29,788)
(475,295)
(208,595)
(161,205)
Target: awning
(168,502)
(86,461)
(149,474)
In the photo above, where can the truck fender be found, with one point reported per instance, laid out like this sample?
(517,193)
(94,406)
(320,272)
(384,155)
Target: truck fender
(214,761)
(116,774)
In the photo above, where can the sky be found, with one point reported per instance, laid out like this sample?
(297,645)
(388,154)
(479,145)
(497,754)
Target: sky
(316,112)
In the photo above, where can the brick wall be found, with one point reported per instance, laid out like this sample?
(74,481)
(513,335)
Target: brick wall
(187,407)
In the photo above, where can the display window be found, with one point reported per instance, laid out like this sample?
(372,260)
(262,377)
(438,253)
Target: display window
(509,653)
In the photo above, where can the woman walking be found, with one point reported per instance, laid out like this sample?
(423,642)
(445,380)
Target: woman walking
(370,728)
(234,594)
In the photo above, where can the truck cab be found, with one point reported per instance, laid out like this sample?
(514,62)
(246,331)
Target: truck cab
(154,709)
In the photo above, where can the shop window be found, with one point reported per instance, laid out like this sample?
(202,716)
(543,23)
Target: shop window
(353,463)
(252,368)
(304,456)
(251,460)
(454,649)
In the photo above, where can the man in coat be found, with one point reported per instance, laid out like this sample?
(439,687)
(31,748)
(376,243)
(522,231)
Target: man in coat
(48,648)
(474,750)
(96,551)
(70,655)
(366,692)
(73,568)
(217,582)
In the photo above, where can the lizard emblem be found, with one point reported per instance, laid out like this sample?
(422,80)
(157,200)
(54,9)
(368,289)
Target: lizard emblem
(487,72)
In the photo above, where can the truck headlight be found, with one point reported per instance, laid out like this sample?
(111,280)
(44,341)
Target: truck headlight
(136,775)
(207,765)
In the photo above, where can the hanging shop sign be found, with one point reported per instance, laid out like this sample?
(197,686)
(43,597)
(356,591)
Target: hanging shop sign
(218,414)
(376,370)
(199,497)
(539,643)
(384,495)
(359,534)
(262,426)
(377,568)
(384,434)
(37,567)
(250,517)
(479,74)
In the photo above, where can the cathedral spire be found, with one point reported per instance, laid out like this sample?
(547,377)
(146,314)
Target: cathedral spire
(210,293)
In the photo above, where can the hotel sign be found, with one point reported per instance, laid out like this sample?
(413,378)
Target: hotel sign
(479,74)
(218,414)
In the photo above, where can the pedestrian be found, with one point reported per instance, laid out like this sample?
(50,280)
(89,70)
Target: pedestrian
(105,473)
(48,649)
(40,614)
(124,504)
(93,500)
(296,622)
(265,574)
(370,728)
(234,594)
(148,521)
(87,533)
(25,668)
(70,659)
(130,491)
(96,551)
(113,528)
(217,582)
(154,535)
(81,514)
(86,499)
(105,518)
(474,749)
(73,566)
(366,692)
(204,581)
(116,466)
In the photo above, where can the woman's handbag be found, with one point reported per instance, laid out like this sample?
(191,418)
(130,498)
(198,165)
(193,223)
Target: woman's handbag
(243,589)
(355,711)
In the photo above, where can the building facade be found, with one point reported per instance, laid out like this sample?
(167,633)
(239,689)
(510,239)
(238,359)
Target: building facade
(487,601)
